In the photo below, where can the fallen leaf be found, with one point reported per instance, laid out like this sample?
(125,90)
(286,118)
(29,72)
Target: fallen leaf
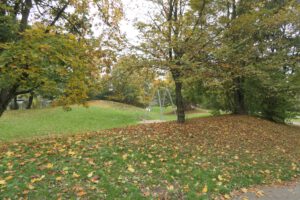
(130,168)
(81,193)
(2,182)
(260,193)
(31,187)
(90,174)
(170,187)
(205,189)
(9,178)
(37,179)
(75,175)
(244,190)
(49,166)
(95,179)
(124,157)
(220,178)
(9,153)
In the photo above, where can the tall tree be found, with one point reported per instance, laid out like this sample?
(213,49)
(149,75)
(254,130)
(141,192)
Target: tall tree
(175,36)
(258,54)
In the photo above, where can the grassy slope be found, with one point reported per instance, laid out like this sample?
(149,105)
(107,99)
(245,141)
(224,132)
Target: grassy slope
(198,160)
(100,115)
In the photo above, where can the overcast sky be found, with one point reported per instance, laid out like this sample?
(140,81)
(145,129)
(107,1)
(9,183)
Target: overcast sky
(135,10)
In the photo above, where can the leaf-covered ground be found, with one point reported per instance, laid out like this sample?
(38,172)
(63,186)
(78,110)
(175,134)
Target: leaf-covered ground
(203,159)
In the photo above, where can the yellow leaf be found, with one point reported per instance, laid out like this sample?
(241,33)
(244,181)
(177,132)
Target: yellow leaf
(31,187)
(205,189)
(75,175)
(125,156)
(227,196)
(90,174)
(245,198)
(2,182)
(49,166)
(58,178)
(294,166)
(71,153)
(220,178)
(9,178)
(9,153)
(130,168)
(37,179)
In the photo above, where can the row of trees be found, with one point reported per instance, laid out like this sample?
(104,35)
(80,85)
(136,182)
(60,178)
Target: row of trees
(241,56)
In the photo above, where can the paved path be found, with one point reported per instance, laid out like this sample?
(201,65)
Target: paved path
(289,192)
(296,123)
(151,121)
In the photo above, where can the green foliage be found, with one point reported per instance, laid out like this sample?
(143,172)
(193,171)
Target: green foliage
(56,63)
(255,69)
(8,29)
(128,83)
(276,103)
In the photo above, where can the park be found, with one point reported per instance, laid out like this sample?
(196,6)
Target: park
(150,99)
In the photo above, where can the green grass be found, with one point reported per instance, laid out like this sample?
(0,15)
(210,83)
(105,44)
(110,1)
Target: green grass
(153,161)
(16,125)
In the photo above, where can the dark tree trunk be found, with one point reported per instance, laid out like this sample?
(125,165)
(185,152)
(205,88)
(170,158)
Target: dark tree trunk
(6,96)
(25,14)
(239,98)
(179,102)
(30,100)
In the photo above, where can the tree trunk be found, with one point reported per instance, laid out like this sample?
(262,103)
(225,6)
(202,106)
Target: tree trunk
(6,95)
(179,102)
(239,98)
(25,15)
(30,100)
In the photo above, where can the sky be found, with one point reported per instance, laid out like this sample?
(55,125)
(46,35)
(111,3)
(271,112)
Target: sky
(135,10)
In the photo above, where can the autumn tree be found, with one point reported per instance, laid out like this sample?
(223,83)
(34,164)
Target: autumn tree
(44,46)
(174,37)
(259,57)
(128,81)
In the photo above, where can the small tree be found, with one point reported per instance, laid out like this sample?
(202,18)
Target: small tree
(46,61)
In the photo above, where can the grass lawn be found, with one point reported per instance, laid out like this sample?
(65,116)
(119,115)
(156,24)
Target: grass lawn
(201,159)
(16,125)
